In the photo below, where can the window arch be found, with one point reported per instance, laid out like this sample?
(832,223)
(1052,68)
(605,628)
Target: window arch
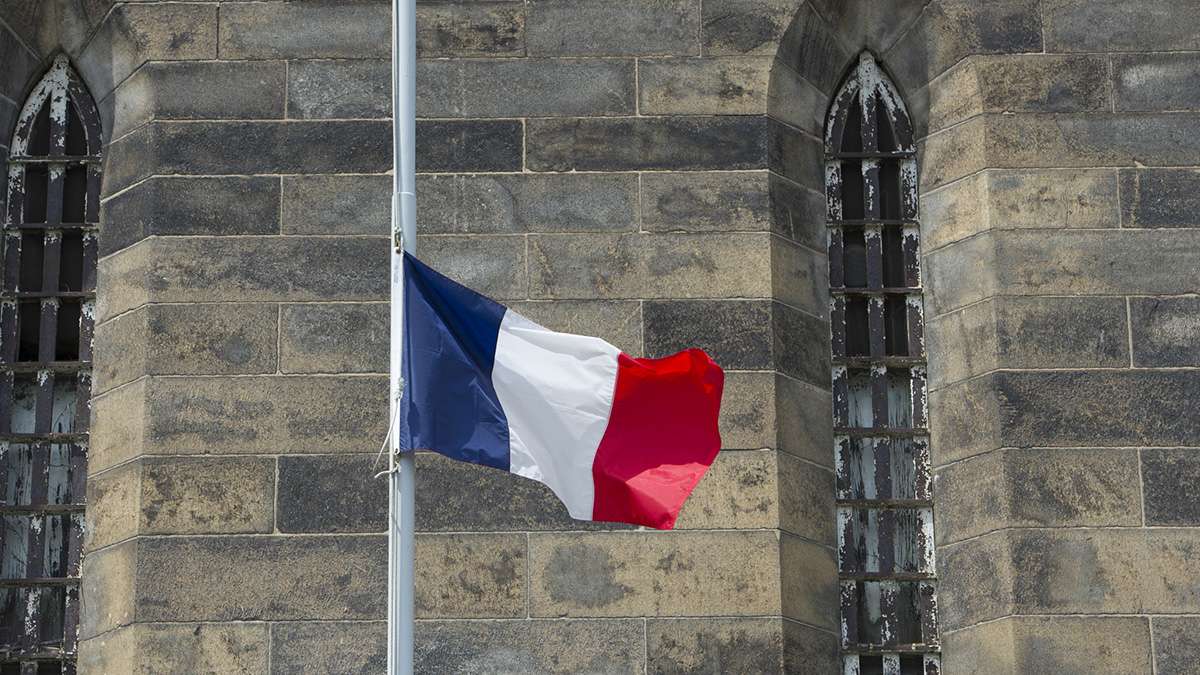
(885,509)
(47,296)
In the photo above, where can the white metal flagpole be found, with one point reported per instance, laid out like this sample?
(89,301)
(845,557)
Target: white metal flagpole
(401,477)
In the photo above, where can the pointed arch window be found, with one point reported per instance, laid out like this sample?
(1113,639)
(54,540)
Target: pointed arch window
(884,500)
(47,294)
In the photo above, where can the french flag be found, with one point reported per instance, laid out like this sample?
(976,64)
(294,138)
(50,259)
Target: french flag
(616,438)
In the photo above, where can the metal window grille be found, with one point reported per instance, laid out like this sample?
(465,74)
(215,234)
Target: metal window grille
(884,505)
(46,320)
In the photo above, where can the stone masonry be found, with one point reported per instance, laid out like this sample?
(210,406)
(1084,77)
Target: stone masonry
(648,171)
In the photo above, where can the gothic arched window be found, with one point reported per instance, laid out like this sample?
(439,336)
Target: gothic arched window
(885,510)
(46,309)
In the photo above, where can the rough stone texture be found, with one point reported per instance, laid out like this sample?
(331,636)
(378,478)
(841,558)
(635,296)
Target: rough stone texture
(331,493)
(639,574)
(612,27)
(1167,476)
(1176,647)
(333,338)
(722,646)
(1159,197)
(649,171)
(1058,644)
(164,206)
(259,578)
(147,649)
(197,495)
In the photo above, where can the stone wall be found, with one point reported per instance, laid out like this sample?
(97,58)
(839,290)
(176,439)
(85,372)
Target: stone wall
(647,171)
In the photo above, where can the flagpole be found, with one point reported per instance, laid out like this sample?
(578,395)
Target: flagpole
(401,478)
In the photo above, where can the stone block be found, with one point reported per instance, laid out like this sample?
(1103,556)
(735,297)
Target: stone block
(715,646)
(805,421)
(1165,331)
(261,147)
(1168,477)
(798,212)
(616,574)
(1071,262)
(1013,332)
(968,421)
(613,27)
(1082,409)
(331,493)
(305,30)
(570,646)
(740,491)
(795,155)
(243,269)
(1085,140)
(261,415)
(167,206)
(648,266)
(748,411)
(800,279)
(691,143)
(119,426)
(199,90)
(1115,26)
(703,86)
(519,203)
(952,154)
(138,32)
(809,581)
(1052,198)
(334,204)
(948,30)
(617,321)
(1169,584)
(961,274)
(1160,197)
(334,338)
(1037,488)
(794,100)
(1012,83)
(464,146)
(492,265)
(113,504)
(260,578)
(1095,571)
(975,581)
(471,575)
(532,87)
(806,494)
(202,495)
(470,29)
(738,334)
(334,648)
(204,339)
(1151,82)
(22,67)
(332,89)
(706,202)
(108,580)
(808,649)
(1029,644)
(146,649)
(800,345)
(1176,644)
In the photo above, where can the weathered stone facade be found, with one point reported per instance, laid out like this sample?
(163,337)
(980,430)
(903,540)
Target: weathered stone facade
(649,171)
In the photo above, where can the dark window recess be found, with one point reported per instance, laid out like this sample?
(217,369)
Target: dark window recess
(47,299)
(881,438)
